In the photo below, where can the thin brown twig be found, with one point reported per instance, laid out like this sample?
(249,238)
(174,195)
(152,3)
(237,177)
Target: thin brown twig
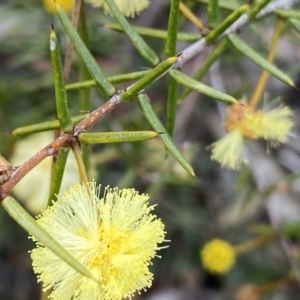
(65,140)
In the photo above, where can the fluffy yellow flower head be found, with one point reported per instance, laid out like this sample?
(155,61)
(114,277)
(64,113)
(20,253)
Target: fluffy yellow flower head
(243,123)
(114,237)
(218,256)
(127,7)
(228,151)
(67,5)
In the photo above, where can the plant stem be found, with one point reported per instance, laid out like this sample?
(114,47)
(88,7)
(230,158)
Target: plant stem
(265,74)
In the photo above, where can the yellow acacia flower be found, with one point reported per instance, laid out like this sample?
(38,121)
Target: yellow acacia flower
(243,123)
(218,256)
(67,5)
(114,237)
(127,7)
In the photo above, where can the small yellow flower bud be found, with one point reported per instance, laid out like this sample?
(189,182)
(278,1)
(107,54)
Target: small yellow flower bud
(67,5)
(218,256)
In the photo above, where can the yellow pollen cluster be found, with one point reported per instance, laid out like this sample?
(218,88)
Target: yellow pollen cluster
(246,121)
(218,256)
(114,237)
(67,5)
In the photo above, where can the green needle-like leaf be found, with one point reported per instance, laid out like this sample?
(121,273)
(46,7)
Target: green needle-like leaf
(212,11)
(84,94)
(214,34)
(113,79)
(58,173)
(157,33)
(258,6)
(45,126)
(145,106)
(262,229)
(296,24)
(226,4)
(171,42)
(241,46)
(25,220)
(201,88)
(63,113)
(150,77)
(295,14)
(115,137)
(171,105)
(170,50)
(94,69)
(146,52)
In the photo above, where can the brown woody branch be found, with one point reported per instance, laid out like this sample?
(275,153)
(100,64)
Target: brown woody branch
(65,140)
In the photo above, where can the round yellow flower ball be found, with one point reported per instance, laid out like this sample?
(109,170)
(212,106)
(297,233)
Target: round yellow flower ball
(67,5)
(218,256)
(115,236)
